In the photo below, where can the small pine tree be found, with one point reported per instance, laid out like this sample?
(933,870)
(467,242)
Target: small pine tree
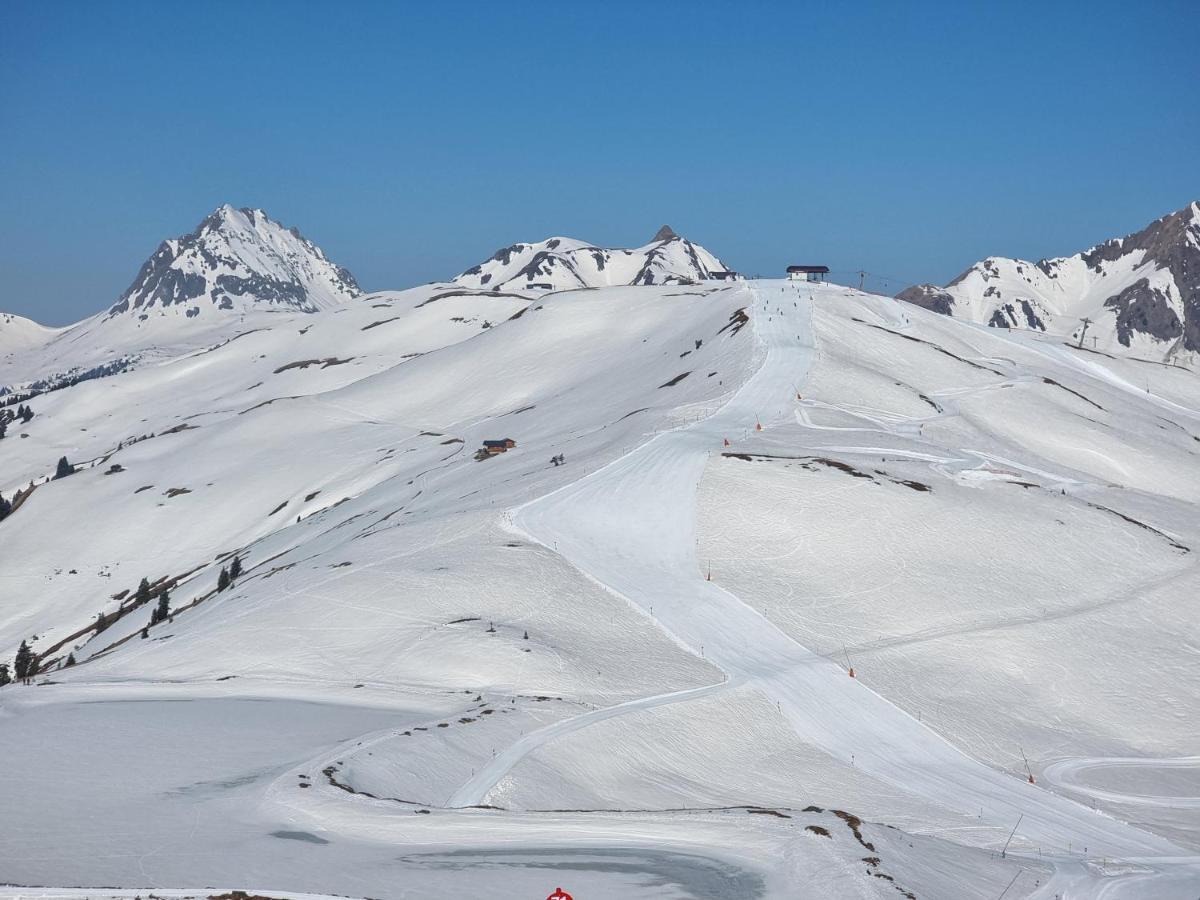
(23,662)
(27,415)
(3,428)
(5,678)
(143,592)
(222,580)
(526,636)
(164,606)
(70,661)
(64,468)
(145,633)
(5,508)
(235,569)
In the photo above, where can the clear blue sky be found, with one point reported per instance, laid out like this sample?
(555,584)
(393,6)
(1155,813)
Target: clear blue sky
(412,140)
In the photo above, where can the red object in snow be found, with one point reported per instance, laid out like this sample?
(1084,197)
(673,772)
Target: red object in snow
(852,671)
(758,426)
(560,894)
(726,442)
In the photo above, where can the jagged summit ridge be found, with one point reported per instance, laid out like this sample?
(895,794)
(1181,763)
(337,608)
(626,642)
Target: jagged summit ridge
(1139,292)
(236,259)
(561,263)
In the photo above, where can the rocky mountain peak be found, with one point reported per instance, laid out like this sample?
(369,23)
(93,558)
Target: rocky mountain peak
(236,259)
(666,233)
(1140,292)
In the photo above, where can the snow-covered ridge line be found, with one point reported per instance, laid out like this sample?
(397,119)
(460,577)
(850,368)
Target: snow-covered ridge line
(562,263)
(1139,293)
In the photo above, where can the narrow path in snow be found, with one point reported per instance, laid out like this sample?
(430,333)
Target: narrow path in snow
(473,792)
(1068,774)
(631,527)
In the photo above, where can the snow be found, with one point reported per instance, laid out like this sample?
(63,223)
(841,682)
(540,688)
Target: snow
(561,263)
(998,530)
(1061,292)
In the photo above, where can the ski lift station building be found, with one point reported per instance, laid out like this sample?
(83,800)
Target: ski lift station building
(807,273)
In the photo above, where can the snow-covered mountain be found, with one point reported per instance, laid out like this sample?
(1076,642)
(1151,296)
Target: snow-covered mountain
(616,653)
(1140,292)
(236,259)
(561,263)
(237,267)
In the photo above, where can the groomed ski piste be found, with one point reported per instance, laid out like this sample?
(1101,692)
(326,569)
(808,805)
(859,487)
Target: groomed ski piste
(660,703)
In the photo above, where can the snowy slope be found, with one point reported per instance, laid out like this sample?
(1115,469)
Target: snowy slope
(238,269)
(18,333)
(560,263)
(998,531)
(1141,292)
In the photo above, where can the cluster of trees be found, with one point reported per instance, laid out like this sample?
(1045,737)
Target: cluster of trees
(24,413)
(162,609)
(5,508)
(25,666)
(230,575)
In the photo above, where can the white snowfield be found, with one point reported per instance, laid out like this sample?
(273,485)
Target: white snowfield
(442,676)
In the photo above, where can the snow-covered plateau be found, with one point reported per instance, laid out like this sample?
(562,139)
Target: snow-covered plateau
(765,589)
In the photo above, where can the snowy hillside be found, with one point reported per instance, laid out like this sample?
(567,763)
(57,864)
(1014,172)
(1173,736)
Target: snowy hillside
(18,333)
(561,263)
(615,656)
(1141,292)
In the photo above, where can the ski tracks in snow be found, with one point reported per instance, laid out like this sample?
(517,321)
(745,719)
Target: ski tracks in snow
(630,527)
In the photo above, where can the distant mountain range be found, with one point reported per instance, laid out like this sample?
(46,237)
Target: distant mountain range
(561,263)
(1140,292)
(240,263)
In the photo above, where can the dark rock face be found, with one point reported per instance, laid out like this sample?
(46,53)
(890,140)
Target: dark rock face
(666,233)
(1006,316)
(928,296)
(1144,309)
(1173,243)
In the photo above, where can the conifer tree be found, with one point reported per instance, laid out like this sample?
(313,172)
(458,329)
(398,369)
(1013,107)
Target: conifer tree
(222,580)
(143,592)
(70,661)
(5,508)
(64,468)
(5,678)
(24,662)
(163,610)
(235,569)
